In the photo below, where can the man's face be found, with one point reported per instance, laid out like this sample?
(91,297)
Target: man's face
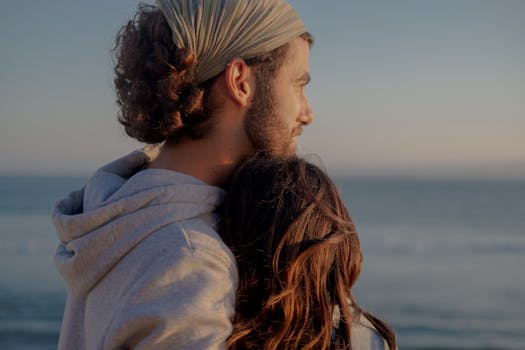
(280,108)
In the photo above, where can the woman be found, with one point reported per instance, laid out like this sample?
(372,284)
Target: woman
(298,256)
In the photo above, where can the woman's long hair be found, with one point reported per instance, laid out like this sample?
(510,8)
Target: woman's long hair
(298,255)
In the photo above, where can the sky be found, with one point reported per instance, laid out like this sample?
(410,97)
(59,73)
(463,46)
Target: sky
(405,88)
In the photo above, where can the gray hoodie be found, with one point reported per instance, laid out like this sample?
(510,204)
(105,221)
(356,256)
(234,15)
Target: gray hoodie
(142,261)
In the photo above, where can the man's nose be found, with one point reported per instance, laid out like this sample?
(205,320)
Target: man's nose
(307,115)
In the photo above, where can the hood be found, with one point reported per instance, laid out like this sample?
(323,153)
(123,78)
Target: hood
(119,207)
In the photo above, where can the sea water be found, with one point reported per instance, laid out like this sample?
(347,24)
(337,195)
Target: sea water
(444,261)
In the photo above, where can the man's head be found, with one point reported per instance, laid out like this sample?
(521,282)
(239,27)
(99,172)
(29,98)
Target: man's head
(167,72)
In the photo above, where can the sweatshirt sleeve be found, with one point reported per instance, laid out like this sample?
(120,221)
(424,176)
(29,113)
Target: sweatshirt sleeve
(183,300)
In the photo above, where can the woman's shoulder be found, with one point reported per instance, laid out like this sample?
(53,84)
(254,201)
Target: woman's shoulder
(365,336)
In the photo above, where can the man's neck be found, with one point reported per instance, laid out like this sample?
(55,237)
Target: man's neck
(211,159)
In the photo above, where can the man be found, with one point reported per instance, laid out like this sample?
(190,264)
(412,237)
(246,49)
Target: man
(213,81)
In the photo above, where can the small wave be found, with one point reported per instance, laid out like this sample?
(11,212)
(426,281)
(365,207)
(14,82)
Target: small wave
(42,326)
(429,245)
(27,247)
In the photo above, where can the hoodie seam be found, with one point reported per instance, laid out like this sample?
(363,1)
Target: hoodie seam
(186,236)
(200,248)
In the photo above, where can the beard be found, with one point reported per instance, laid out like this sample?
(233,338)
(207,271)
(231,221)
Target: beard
(267,132)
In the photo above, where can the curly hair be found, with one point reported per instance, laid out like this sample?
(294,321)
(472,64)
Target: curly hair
(155,83)
(154,80)
(298,256)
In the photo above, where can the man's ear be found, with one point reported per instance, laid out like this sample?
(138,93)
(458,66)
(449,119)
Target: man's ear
(240,82)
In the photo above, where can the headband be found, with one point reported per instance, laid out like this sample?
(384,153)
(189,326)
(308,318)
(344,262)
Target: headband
(217,31)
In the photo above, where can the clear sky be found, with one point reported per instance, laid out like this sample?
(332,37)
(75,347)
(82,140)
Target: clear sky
(417,88)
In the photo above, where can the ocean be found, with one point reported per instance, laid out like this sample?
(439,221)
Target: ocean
(444,261)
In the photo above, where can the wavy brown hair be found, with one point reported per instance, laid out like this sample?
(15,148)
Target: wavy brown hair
(298,256)
(155,82)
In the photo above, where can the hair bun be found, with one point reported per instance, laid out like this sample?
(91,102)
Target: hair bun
(184,59)
(155,82)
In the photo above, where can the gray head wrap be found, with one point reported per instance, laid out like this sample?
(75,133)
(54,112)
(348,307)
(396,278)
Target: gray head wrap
(217,31)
